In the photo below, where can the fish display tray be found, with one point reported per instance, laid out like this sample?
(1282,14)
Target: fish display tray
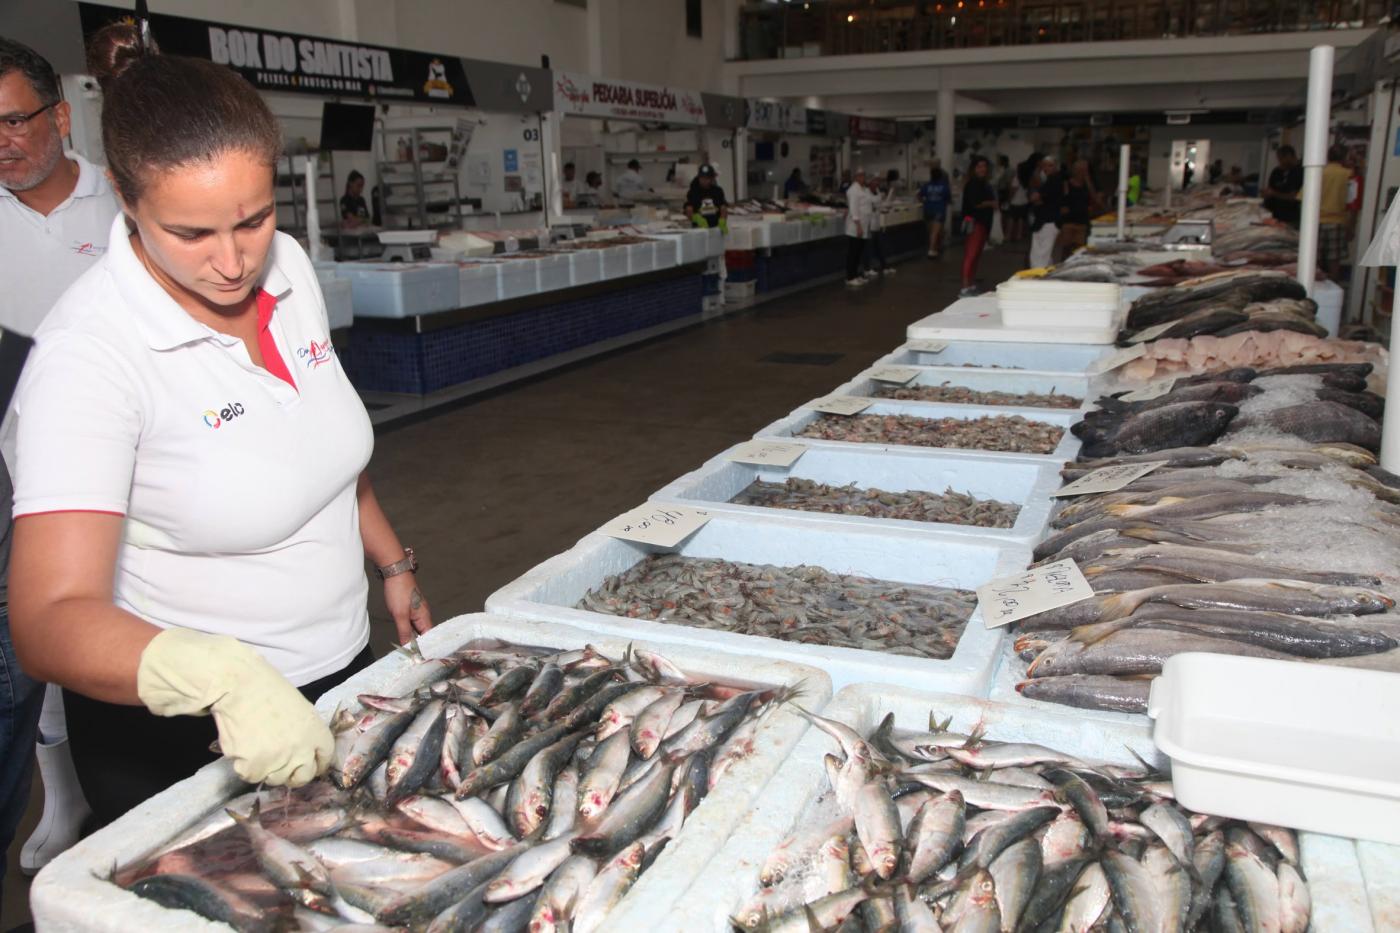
(615,262)
(479,283)
(552,590)
(667,252)
(963,355)
(979,319)
(553,272)
(1026,484)
(585,266)
(641,257)
(400,290)
(731,877)
(69,895)
(788,426)
(1012,381)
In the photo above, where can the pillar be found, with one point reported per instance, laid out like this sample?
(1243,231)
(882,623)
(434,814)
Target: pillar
(943,129)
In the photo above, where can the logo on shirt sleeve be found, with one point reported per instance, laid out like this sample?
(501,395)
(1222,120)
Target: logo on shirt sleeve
(316,353)
(216,419)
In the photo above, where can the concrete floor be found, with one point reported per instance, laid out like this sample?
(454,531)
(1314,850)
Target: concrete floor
(486,491)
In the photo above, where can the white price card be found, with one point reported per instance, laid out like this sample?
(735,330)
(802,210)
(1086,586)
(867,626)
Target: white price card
(1106,364)
(662,525)
(841,405)
(767,453)
(900,374)
(1151,333)
(1150,391)
(1017,597)
(927,346)
(1109,478)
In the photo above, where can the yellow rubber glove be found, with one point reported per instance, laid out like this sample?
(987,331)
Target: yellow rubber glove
(266,727)
(724,226)
(700,221)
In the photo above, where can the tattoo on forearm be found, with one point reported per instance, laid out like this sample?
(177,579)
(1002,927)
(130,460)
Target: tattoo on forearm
(415,600)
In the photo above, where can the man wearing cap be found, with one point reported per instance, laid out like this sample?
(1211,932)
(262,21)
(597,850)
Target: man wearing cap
(705,202)
(56,213)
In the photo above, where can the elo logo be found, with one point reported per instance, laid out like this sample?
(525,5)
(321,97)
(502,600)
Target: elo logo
(215,419)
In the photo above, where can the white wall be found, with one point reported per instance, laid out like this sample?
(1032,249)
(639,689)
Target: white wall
(518,31)
(1237,144)
(654,46)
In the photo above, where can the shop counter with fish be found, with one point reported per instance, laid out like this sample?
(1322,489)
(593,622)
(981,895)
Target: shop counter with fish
(1021,432)
(911,810)
(951,493)
(511,775)
(972,387)
(864,605)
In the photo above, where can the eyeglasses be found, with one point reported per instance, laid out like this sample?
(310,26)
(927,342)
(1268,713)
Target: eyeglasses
(17,124)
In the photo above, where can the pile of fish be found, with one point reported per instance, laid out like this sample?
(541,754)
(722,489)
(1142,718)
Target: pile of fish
(802,604)
(939,830)
(1222,304)
(949,507)
(962,395)
(1012,434)
(1283,552)
(1272,237)
(498,789)
(1257,349)
(1087,266)
(1323,403)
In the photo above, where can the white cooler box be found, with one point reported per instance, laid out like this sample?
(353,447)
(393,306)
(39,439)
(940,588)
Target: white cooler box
(400,289)
(585,265)
(553,272)
(479,283)
(615,262)
(518,278)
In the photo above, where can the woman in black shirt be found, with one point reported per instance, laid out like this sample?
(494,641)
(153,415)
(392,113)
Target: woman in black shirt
(979,201)
(353,210)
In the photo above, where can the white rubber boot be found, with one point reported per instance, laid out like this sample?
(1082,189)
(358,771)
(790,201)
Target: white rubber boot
(65,808)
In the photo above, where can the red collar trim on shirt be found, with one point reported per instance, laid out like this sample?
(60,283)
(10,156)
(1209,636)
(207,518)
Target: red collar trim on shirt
(272,357)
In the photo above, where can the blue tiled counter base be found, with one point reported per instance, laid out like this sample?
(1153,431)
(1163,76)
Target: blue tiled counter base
(792,265)
(421,363)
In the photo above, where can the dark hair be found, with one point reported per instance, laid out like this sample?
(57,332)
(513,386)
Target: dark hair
(635,164)
(892,175)
(164,111)
(936,173)
(353,177)
(1336,153)
(568,165)
(16,56)
(972,166)
(588,179)
(1287,151)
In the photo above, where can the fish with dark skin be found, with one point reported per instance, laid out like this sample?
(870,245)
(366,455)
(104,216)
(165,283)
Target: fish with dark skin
(1180,425)
(1320,421)
(186,892)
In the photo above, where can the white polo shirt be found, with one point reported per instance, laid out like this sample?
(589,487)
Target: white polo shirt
(238,489)
(41,256)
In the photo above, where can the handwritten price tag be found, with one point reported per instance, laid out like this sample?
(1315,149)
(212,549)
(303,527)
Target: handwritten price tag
(900,374)
(1011,599)
(1151,333)
(1112,361)
(767,453)
(1109,478)
(662,525)
(927,346)
(1150,391)
(841,405)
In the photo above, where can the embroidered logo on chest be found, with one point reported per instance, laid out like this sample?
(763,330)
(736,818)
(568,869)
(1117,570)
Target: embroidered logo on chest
(316,353)
(216,419)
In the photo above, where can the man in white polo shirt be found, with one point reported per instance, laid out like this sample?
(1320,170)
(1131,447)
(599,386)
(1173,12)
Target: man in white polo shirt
(56,214)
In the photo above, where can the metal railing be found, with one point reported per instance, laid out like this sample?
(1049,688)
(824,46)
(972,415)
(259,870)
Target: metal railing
(851,27)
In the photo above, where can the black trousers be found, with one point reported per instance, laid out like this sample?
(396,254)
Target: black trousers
(127,754)
(877,249)
(855,248)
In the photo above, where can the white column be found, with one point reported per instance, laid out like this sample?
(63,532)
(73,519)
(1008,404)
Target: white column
(551,145)
(1382,111)
(1314,158)
(1123,155)
(1390,421)
(741,164)
(733,39)
(943,129)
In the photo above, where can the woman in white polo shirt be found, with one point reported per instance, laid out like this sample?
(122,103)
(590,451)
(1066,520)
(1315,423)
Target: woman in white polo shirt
(192,512)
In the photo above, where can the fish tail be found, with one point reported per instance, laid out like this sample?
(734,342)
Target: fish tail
(1096,632)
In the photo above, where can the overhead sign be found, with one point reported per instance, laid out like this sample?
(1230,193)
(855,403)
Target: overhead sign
(776,116)
(874,129)
(586,96)
(273,60)
(721,110)
(502,88)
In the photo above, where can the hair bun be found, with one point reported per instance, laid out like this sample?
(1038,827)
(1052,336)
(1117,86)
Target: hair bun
(112,50)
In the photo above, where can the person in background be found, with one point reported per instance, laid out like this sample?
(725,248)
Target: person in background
(1217,171)
(354,212)
(1235,176)
(705,202)
(1333,214)
(882,196)
(794,187)
(172,617)
(1285,181)
(569,185)
(1017,205)
(935,195)
(1001,186)
(591,194)
(631,183)
(1134,182)
(1080,204)
(979,203)
(1047,197)
(56,213)
(1356,164)
(859,204)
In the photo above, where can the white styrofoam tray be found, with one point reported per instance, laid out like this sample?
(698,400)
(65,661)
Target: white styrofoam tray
(981,381)
(1026,484)
(69,895)
(667,251)
(585,265)
(615,262)
(400,289)
(795,421)
(731,877)
(978,318)
(553,272)
(516,277)
(479,283)
(552,590)
(641,257)
(993,356)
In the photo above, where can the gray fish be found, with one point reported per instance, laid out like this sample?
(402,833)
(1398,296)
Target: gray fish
(992,841)
(513,917)
(630,815)
(1135,651)
(417,906)
(1179,425)
(1295,900)
(1209,506)
(1052,890)
(417,753)
(571,697)
(1255,889)
(1209,861)
(1224,914)
(291,868)
(1015,873)
(508,765)
(532,794)
(509,726)
(542,690)
(877,825)
(1173,885)
(186,892)
(935,834)
(1086,691)
(513,683)
(1084,799)
(364,749)
(463,916)
(1134,895)
(1319,422)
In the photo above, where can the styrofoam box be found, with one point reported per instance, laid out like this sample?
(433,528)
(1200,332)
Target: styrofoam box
(615,262)
(517,278)
(641,257)
(1027,484)
(740,291)
(551,590)
(400,289)
(339,298)
(975,354)
(667,251)
(795,421)
(713,241)
(740,236)
(731,877)
(585,265)
(981,381)
(68,894)
(553,272)
(479,283)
